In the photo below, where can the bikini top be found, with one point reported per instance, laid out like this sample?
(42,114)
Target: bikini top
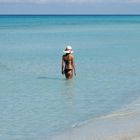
(68,61)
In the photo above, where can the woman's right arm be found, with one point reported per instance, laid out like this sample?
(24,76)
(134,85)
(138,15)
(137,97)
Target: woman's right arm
(62,65)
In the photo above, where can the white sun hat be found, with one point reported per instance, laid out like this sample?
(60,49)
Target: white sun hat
(68,50)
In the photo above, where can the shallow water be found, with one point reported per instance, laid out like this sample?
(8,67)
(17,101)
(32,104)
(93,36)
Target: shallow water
(36,100)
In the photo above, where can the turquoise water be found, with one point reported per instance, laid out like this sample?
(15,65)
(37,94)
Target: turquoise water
(35,99)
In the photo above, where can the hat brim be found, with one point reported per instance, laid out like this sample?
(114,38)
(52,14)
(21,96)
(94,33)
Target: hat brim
(67,51)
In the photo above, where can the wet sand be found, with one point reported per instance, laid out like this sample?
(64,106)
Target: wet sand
(122,125)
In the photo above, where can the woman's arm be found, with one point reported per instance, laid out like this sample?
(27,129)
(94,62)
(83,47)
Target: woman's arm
(62,65)
(73,65)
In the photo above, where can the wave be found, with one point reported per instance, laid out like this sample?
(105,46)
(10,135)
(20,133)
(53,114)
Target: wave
(114,126)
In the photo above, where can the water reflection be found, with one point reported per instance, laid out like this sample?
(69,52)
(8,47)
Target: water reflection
(50,78)
(68,94)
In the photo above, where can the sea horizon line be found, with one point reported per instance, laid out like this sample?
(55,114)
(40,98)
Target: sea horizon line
(69,14)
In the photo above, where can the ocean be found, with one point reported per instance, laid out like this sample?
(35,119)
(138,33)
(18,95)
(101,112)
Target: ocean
(36,101)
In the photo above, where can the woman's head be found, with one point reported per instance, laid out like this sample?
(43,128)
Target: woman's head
(68,50)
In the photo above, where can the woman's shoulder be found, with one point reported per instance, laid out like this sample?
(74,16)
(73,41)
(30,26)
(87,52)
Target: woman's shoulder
(63,55)
(71,56)
(68,56)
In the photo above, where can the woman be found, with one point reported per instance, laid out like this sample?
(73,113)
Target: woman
(68,65)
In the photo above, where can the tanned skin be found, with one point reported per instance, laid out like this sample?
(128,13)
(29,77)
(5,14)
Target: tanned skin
(68,66)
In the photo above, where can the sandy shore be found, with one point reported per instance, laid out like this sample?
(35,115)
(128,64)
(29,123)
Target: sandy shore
(122,125)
